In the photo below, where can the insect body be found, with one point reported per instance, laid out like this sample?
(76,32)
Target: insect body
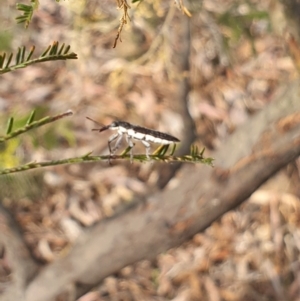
(134,132)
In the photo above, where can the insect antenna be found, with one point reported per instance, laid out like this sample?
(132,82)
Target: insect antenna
(103,127)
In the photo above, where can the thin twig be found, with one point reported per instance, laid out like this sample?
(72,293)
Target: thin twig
(122,4)
(34,124)
(193,158)
(55,57)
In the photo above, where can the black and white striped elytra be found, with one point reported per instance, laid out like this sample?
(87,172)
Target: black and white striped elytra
(134,132)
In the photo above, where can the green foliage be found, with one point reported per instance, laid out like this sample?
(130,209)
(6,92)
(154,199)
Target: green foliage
(31,117)
(5,40)
(9,125)
(53,136)
(50,137)
(30,124)
(159,155)
(9,146)
(27,11)
(239,23)
(8,156)
(194,157)
(162,150)
(51,53)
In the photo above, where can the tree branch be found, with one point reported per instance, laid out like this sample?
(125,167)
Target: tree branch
(256,151)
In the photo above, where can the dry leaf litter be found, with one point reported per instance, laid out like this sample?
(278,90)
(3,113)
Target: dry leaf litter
(251,253)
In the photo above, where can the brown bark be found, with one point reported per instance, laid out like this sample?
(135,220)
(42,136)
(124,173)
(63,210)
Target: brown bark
(256,151)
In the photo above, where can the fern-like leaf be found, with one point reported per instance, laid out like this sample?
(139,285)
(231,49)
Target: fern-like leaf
(194,157)
(30,124)
(52,53)
(27,11)
(9,125)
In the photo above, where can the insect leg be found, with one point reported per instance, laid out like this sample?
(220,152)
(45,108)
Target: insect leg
(110,140)
(131,145)
(147,145)
(117,144)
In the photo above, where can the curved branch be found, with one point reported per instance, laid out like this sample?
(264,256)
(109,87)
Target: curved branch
(260,148)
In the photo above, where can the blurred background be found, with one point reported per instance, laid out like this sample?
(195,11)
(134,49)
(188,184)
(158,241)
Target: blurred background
(195,78)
